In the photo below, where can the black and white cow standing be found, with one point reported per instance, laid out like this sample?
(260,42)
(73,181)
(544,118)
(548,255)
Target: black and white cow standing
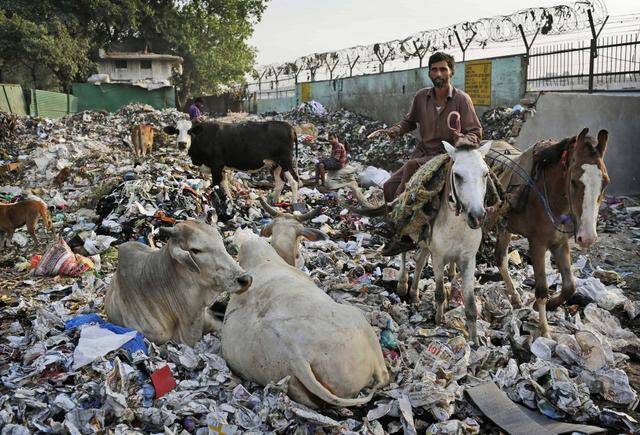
(248,147)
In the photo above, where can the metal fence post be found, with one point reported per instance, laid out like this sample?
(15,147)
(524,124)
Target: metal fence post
(592,57)
(593,49)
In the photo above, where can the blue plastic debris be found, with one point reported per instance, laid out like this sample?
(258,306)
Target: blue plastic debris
(132,346)
(387,339)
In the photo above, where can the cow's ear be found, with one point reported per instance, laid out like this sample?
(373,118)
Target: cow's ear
(195,129)
(312,234)
(170,129)
(266,230)
(185,258)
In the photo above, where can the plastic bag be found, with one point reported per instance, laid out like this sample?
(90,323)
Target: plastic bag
(373,176)
(60,260)
(96,342)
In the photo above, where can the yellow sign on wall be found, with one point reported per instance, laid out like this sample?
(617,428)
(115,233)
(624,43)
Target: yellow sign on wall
(305,92)
(477,82)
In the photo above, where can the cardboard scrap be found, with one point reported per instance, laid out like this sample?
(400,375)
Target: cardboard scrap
(516,419)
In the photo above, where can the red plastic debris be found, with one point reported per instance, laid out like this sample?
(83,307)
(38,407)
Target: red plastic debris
(163,381)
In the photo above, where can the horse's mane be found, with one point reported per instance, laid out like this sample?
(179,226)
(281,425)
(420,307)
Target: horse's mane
(466,146)
(553,153)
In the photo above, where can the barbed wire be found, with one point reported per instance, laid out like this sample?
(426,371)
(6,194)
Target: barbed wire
(462,36)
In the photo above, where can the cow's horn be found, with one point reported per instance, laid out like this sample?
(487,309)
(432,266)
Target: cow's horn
(168,231)
(308,215)
(272,211)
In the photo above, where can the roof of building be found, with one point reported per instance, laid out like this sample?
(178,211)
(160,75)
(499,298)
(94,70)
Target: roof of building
(122,55)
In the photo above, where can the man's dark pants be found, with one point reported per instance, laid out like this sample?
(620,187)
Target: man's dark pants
(396,183)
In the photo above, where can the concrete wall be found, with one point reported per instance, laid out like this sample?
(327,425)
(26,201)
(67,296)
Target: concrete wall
(387,96)
(562,115)
(384,96)
(283,104)
(160,70)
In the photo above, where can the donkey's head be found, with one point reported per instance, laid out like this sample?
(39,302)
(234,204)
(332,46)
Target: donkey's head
(287,229)
(469,180)
(586,181)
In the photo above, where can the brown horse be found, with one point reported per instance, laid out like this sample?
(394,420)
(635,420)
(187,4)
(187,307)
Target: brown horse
(572,177)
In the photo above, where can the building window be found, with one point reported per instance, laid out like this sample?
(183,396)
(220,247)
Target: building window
(145,64)
(121,64)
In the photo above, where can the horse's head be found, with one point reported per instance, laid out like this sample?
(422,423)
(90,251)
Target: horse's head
(586,183)
(469,180)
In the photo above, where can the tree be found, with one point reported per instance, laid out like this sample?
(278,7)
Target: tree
(35,47)
(211,36)
(62,37)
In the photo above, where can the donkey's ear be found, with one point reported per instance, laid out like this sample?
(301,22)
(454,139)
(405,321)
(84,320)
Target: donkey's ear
(484,149)
(603,138)
(451,150)
(582,135)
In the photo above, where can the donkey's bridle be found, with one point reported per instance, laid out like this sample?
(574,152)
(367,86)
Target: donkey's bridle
(557,223)
(564,218)
(453,200)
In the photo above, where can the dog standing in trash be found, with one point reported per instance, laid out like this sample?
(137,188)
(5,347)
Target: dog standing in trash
(13,216)
(142,139)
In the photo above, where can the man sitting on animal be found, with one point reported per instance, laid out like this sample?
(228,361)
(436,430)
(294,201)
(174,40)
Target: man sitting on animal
(430,109)
(336,161)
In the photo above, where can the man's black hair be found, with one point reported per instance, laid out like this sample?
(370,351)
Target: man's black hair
(199,100)
(439,56)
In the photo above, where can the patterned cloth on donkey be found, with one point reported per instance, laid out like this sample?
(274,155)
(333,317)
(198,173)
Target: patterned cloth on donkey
(417,207)
(503,158)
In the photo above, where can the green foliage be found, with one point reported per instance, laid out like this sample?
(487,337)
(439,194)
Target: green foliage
(211,37)
(38,50)
(61,38)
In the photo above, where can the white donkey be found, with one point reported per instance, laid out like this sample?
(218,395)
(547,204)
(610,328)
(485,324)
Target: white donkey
(456,233)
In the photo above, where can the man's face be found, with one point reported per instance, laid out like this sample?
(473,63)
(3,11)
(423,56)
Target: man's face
(333,140)
(440,74)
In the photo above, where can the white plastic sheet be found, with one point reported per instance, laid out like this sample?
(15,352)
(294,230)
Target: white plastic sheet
(96,342)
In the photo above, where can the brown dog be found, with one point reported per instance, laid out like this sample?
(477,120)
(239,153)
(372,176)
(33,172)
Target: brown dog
(142,139)
(13,216)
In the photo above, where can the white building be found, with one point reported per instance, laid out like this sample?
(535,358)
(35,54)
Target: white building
(148,70)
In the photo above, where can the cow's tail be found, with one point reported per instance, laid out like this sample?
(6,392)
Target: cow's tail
(294,136)
(294,164)
(305,375)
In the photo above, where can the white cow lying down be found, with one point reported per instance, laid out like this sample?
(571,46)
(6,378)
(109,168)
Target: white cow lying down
(165,293)
(284,325)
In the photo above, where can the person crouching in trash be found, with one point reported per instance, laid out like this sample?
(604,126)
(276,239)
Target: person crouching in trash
(336,161)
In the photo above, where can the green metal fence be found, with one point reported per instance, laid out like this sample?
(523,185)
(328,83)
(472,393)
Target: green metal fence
(12,99)
(111,97)
(52,104)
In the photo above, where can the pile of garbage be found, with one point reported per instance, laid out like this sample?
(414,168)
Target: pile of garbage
(352,130)
(504,123)
(63,368)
